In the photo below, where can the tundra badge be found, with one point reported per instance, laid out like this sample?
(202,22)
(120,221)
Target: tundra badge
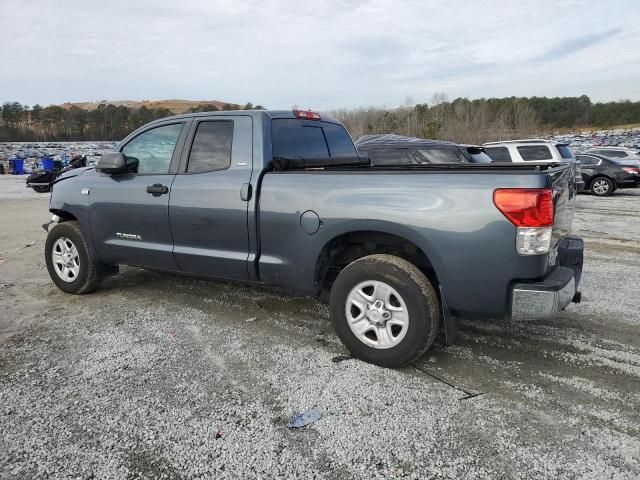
(128,236)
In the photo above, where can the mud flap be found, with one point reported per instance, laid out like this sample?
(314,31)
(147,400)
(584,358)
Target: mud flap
(451,327)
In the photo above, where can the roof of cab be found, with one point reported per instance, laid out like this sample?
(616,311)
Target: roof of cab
(271,114)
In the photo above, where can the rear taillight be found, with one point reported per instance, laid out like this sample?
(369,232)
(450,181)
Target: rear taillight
(525,207)
(531,211)
(633,170)
(307,115)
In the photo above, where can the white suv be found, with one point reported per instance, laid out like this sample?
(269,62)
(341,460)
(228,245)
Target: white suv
(535,150)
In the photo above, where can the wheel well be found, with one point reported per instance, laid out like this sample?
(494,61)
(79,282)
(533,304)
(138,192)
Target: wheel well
(344,249)
(64,216)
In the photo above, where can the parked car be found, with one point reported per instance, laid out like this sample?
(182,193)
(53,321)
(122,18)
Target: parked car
(41,180)
(603,175)
(534,150)
(281,198)
(391,149)
(619,153)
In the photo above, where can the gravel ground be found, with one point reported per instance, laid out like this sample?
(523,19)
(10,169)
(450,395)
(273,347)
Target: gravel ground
(159,376)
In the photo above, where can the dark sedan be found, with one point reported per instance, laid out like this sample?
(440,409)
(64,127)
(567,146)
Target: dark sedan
(603,175)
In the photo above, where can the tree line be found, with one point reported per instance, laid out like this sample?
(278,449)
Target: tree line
(460,120)
(106,122)
(482,120)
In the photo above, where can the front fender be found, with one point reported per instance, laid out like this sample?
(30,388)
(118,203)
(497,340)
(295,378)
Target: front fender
(70,199)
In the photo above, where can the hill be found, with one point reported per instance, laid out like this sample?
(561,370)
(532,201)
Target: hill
(175,105)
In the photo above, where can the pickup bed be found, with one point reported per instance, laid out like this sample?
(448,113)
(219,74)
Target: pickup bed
(281,198)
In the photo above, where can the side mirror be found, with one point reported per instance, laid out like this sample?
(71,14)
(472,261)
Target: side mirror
(112,162)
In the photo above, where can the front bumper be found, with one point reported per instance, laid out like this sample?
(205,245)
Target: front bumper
(550,295)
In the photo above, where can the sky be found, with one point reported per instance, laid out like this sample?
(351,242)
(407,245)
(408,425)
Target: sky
(317,54)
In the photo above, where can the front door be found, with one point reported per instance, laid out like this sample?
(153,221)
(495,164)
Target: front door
(129,213)
(208,209)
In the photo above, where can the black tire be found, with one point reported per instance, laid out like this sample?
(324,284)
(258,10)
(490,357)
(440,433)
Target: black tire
(417,294)
(601,187)
(88,278)
(41,188)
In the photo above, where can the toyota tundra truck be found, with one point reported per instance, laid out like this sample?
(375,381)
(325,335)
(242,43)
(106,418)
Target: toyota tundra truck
(283,199)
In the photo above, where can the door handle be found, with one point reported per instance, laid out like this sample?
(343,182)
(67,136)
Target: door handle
(157,189)
(245,192)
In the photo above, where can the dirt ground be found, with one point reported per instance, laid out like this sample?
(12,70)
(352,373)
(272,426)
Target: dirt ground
(159,376)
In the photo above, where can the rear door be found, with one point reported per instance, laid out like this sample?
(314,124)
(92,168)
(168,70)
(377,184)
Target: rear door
(209,204)
(129,213)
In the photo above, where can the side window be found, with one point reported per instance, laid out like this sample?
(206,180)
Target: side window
(211,147)
(151,151)
(613,153)
(395,156)
(588,160)
(535,152)
(498,154)
(442,155)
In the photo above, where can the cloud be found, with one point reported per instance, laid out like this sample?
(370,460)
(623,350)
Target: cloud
(328,54)
(573,45)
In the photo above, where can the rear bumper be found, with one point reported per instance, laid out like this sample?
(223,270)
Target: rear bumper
(551,294)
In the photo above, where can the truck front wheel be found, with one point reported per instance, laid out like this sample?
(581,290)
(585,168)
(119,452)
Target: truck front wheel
(70,263)
(385,310)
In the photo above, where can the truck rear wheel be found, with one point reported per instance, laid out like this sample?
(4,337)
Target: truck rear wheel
(384,310)
(70,263)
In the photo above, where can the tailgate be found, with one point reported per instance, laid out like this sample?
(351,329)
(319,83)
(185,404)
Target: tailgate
(563,185)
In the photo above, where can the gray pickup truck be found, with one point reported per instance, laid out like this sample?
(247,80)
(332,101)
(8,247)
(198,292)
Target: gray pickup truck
(282,198)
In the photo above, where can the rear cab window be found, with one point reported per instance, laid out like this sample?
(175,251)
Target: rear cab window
(295,138)
(532,153)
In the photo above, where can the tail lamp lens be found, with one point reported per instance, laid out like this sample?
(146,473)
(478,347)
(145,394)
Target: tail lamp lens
(531,211)
(306,114)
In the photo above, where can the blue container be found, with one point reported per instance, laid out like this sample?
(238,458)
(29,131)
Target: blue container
(47,164)
(17,166)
